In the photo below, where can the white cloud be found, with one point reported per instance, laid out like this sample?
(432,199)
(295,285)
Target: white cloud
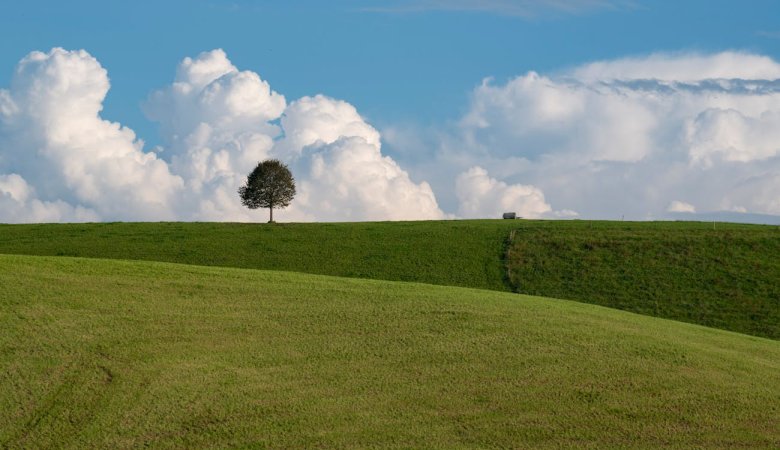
(734,136)
(15,188)
(63,162)
(481,196)
(19,205)
(350,180)
(217,122)
(344,174)
(533,115)
(310,120)
(627,137)
(54,137)
(758,191)
(681,207)
(682,67)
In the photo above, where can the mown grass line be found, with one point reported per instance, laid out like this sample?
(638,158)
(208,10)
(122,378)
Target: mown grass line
(206,357)
(727,277)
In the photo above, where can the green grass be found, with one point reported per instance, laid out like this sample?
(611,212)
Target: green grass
(105,354)
(457,253)
(727,278)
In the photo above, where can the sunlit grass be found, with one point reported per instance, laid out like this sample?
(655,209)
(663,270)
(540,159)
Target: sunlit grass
(726,277)
(106,354)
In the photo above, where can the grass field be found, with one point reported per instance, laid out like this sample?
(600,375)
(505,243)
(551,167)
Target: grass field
(457,253)
(104,354)
(727,277)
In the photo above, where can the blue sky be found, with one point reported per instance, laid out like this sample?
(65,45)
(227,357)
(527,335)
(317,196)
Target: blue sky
(591,108)
(395,66)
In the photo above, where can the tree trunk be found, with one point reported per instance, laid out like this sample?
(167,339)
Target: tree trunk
(272,215)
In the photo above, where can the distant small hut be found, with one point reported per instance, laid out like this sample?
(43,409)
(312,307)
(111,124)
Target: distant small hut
(510,215)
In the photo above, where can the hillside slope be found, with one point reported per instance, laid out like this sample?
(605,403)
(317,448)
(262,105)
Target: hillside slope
(97,353)
(727,277)
(457,253)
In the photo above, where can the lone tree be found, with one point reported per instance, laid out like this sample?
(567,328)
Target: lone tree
(270,185)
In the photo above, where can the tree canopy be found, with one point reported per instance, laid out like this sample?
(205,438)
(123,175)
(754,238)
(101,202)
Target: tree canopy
(270,185)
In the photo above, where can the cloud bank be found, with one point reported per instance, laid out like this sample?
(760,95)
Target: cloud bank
(68,163)
(640,138)
(630,137)
(480,195)
(61,161)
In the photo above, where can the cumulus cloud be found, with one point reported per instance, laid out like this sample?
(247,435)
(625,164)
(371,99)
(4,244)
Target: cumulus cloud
(682,67)
(18,203)
(321,119)
(680,207)
(349,180)
(626,137)
(61,161)
(733,135)
(53,136)
(345,175)
(218,122)
(215,121)
(480,195)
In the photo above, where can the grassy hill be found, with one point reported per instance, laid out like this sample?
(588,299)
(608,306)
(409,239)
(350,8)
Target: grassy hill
(457,253)
(727,277)
(97,353)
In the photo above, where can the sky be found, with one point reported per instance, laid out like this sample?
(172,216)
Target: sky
(390,109)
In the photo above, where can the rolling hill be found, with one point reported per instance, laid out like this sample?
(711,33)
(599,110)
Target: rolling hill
(457,253)
(100,353)
(725,277)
